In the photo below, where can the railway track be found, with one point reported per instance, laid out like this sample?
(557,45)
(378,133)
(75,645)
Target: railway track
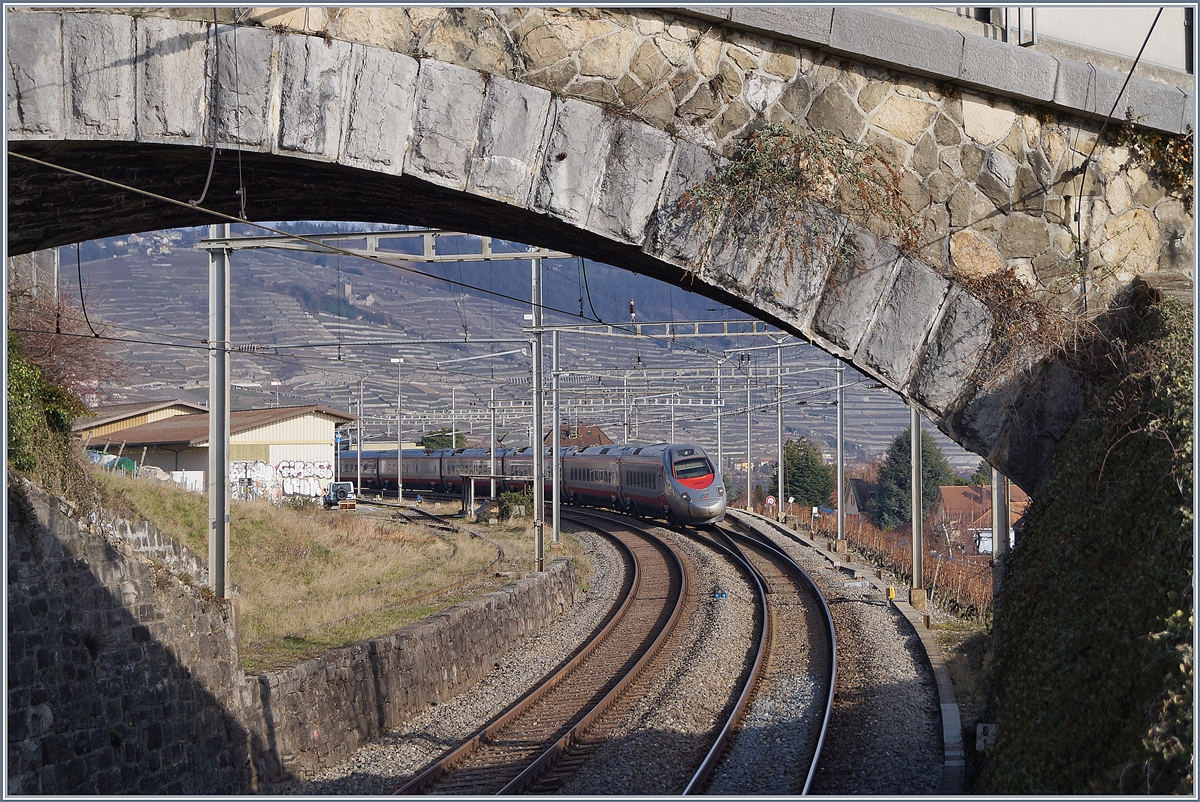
(794,670)
(522,746)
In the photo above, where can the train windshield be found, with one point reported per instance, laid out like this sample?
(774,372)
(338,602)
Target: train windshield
(692,468)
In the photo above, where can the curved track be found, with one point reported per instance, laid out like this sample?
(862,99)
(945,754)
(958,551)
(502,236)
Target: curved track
(797,637)
(521,744)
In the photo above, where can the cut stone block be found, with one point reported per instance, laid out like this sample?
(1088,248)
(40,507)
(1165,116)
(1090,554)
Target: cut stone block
(310,102)
(100,53)
(902,321)
(170,105)
(854,290)
(999,66)
(512,133)
(680,234)
(35,75)
(245,115)
(810,24)
(794,276)
(574,160)
(446,115)
(633,178)
(381,107)
(953,351)
(897,41)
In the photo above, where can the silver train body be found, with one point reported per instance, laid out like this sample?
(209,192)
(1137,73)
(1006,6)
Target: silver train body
(677,482)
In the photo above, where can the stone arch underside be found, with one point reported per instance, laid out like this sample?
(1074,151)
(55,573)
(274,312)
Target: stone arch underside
(341,131)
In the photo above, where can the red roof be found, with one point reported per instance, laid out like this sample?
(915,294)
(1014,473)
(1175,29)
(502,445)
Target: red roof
(192,430)
(970,506)
(585,436)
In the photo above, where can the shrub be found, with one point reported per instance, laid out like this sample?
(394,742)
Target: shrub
(510,500)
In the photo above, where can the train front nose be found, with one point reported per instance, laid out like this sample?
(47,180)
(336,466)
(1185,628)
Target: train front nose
(708,505)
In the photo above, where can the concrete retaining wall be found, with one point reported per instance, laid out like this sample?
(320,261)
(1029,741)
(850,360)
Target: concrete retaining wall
(125,679)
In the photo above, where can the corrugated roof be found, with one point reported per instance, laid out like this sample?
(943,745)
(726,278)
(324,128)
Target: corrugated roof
(115,412)
(192,430)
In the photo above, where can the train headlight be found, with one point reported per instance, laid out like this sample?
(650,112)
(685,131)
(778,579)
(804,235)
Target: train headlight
(721,490)
(685,497)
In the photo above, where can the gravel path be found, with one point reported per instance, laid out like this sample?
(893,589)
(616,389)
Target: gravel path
(379,767)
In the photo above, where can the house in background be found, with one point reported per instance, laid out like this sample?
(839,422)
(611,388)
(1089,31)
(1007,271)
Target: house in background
(859,493)
(579,435)
(963,514)
(273,452)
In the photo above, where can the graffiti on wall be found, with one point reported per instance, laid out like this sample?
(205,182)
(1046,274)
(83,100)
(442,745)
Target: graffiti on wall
(259,480)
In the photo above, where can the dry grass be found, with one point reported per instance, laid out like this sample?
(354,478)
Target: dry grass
(311,580)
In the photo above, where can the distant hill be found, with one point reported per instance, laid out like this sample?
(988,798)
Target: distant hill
(308,326)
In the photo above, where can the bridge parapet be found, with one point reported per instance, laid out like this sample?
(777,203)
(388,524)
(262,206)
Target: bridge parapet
(610,118)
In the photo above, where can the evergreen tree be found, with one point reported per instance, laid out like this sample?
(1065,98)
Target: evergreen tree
(891,505)
(982,475)
(432,441)
(809,478)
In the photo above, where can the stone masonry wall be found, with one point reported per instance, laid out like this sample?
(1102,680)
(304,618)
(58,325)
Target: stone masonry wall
(505,122)
(993,176)
(123,679)
(119,675)
(318,712)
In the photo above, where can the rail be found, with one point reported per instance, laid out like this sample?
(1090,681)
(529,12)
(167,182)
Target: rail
(759,541)
(624,633)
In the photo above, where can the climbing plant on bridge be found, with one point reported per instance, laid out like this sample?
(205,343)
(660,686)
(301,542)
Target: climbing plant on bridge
(791,173)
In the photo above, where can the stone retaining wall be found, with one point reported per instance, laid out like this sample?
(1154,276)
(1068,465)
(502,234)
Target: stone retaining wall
(125,679)
(121,679)
(318,712)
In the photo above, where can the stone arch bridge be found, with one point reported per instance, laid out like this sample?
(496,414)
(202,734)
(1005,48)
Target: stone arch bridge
(581,129)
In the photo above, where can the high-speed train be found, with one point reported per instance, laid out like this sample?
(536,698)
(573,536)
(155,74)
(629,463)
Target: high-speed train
(674,481)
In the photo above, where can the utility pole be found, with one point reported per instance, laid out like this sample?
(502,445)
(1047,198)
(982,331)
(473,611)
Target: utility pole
(625,407)
(779,429)
(492,443)
(1000,526)
(841,418)
(720,441)
(453,419)
(539,484)
(399,430)
(917,596)
(218,413)
(556,445)
(358,484)
(749,422)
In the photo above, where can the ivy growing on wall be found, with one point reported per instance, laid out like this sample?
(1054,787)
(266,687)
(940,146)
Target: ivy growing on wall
(1168,157)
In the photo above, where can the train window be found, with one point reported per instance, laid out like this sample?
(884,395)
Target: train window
(692,468)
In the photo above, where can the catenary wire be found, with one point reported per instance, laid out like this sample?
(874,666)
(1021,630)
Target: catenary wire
(335,249)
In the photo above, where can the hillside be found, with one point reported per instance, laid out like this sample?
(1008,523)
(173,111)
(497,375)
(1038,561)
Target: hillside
(311,325)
